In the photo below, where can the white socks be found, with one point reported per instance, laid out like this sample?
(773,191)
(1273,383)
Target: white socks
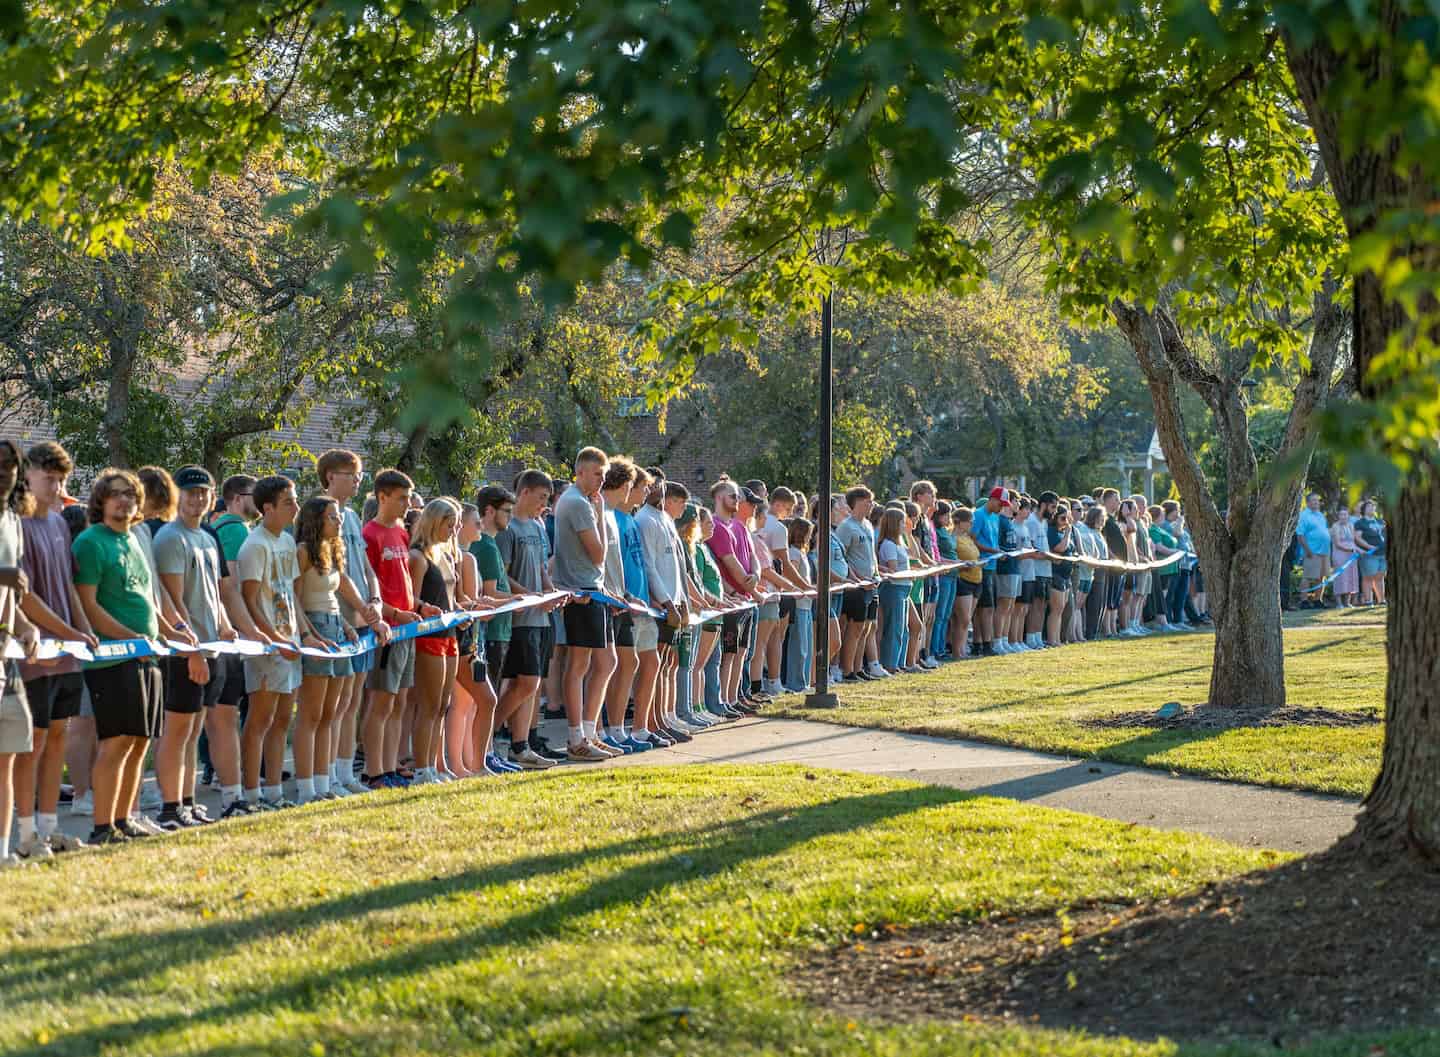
(617,734)
(231,793)
(577,735)
(27,828)
(252,796)
(304,790)
(587,726)
(46,825)
(274,793)
(322,784)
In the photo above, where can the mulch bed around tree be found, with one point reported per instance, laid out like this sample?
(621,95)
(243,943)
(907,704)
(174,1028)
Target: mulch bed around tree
(1317,946)
(1229,717)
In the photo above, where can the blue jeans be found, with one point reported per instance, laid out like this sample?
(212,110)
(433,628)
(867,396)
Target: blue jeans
(1175,598)
(799,649)
(944,606)
(894,605)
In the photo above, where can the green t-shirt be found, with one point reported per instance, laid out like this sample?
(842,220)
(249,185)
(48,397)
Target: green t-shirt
(945,544)
(113,563)
(1161,535)
(492,567)
(231,530)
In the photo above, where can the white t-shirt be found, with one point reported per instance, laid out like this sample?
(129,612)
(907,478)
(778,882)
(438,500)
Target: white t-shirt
(1040,540)
(775,536)
(894,553)
(802,569)
(270,560)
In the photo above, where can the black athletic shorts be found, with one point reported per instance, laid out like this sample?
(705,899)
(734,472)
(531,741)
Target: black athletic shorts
(666,635)
(54,697)
(735,631)
(1027,591)
(624,629)
(860,605)
(527,655)
(965,589)
(1042,588)
(183,695)
(494,660)
(931,592)
(232,683)
(1116,583)
(987,589)
(128,698)
(588,625)
(787,609)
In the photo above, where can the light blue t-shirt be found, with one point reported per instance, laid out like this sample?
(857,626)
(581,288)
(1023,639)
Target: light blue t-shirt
(1313,529)
(838,567)
(858,539)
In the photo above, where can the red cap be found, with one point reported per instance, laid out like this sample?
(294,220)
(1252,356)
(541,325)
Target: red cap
(998,492)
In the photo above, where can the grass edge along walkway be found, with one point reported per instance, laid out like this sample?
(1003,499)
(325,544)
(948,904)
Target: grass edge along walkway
(482,918)
(1062,702)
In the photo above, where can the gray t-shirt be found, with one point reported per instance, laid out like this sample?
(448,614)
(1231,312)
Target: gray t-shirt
(523,548)
(11,547)
(614,562)
(193,555)
(574,571)
(357,565)
(858,539)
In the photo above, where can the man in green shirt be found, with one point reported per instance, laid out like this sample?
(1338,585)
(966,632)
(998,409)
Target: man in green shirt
(113,581)
(232,527)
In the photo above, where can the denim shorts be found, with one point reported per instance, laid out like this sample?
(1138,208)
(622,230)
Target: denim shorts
(330,627)
(1007,585)
(1372,565)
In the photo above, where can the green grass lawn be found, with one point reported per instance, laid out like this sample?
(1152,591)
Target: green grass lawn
(1355,616)
(629,911)
(1041,700)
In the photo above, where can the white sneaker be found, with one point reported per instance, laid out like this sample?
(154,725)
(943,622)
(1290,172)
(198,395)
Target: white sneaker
(83,805)
(12,862)
(531,760)
(928,664)
(836,675)
(36,849)
(874,669)
(603,749)
(339,791)
(148,826)
(353,785)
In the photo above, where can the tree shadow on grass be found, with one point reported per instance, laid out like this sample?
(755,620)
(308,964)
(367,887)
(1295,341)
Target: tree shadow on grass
(124,962)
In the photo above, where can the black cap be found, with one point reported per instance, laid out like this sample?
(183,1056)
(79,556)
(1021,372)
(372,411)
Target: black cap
(194,477)
(750,497)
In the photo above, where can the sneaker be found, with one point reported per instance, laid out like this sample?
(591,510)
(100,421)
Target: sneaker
(544,749)
(63,842)
(237,809)
(36,849)
(610,743)
(678,736)
(278,805)
(170,821)
(744,709)
(660,739)
(929,664)
(109,836)
(499,766)
(84,805)
(354,785)
(132,829)
(586,752)
(190,820)
(600,746)
(637,745)
(874,670)
(200,813)
(530,760)
(338,791)
(11,862)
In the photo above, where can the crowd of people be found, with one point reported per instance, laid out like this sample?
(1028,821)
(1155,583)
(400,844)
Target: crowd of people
(218,630)
(1344,554)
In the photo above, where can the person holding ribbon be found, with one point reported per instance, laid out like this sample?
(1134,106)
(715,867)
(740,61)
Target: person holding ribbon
(1343,555)
(16,729)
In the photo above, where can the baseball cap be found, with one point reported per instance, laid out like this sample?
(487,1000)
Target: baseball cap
(999,492)
(689,514)
(194,477)
(749,496)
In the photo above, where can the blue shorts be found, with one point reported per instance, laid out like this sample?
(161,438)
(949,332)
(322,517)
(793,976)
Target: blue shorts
(1372,565)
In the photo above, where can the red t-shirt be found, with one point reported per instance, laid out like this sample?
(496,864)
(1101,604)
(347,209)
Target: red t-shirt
(389,552)
(733,538)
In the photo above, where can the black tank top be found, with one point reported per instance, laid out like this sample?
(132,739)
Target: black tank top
(436,591)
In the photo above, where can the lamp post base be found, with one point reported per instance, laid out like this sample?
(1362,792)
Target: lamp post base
(821,701)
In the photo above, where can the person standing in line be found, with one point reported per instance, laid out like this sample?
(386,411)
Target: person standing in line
(801,647)
(1060,537)
(777,542)
(968,583)
(1113,531)
(1370,534)
(188,560)
(942,525)
(589,631)
(1313,534)
(1346,584)
(861,605)
(54,689)
(707,665)
(268,571)
(735,557)
(524,547)
(893,554)
(922,494)
(112,578)
(432,566)
(16,725)
(340,472)
(985,531)
(387,547)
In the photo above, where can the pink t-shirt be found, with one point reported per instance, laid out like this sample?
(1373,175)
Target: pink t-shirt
(731,537)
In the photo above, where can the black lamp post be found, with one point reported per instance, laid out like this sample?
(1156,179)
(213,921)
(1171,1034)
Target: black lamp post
(823,697)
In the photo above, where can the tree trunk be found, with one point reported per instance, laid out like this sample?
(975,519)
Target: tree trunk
(1249,657)
(117,402)
(1402,810)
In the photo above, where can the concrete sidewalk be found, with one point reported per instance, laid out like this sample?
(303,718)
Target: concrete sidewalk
(1242,814)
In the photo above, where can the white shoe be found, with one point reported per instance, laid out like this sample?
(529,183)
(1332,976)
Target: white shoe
(148,826)
(36,849)
(1128,633)
(874,669)
(353,785)
(83,805)
(531,760)
(928,664)
(338,790)
(12,862)
(836,675)
(603,749)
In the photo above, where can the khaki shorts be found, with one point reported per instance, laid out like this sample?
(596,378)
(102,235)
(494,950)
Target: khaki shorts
(272,674)
(17,729)
(1317,566)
